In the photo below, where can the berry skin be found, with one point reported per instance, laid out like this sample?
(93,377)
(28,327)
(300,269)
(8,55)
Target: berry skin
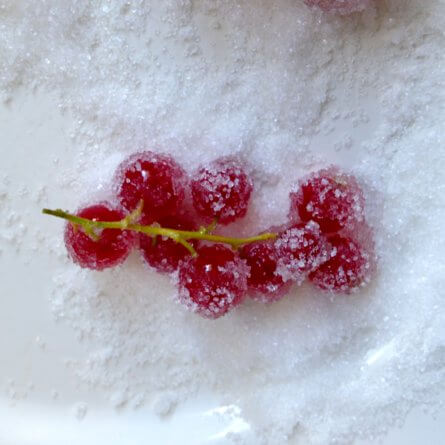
(347,269)
(264,282)
(155,178)
(163,253)
(342,7)
(214,282)
(329,197)
(112,247)
(300,250)
(221,190)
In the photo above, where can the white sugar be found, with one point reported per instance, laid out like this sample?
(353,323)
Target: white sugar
(289,90)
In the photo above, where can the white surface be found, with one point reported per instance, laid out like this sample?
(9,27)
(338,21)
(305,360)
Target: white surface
(194,424)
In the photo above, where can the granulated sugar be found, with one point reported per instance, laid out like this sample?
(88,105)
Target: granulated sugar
(289,90)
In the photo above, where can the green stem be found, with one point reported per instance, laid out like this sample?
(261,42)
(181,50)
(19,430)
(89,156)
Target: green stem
(180,236)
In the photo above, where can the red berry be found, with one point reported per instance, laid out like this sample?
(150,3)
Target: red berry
(221,190)
(340,6)
(214,282)
(264,282)
(329,197)
(163,253)
(112,247)
(347,269)
(300,249)
(154,178)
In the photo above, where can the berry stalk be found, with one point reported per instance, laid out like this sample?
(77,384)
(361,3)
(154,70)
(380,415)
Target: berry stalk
(91,227)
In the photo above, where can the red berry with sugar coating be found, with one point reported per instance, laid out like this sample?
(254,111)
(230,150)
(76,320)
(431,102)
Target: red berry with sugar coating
(110,249)
(214,282)
(300,249)
(331,198)
(163,253)
(265,284)
(347,269)
(154,178)
(343,7)
(221,190)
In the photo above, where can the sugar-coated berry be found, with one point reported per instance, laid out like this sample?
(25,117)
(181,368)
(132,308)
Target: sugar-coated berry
(221,190)
(343,7)
(154,178)
(264,283)
(347,269)
(112,246)
(329,197)
(163,253)
(214,282)
(301,249)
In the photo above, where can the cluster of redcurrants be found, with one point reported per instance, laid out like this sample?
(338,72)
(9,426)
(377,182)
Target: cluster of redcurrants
(325,209)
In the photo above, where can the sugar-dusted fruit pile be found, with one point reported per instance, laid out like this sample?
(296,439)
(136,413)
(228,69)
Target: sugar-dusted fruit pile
(326,211)
(289,90)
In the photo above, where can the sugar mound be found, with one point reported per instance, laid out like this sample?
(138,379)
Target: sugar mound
(291,91)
